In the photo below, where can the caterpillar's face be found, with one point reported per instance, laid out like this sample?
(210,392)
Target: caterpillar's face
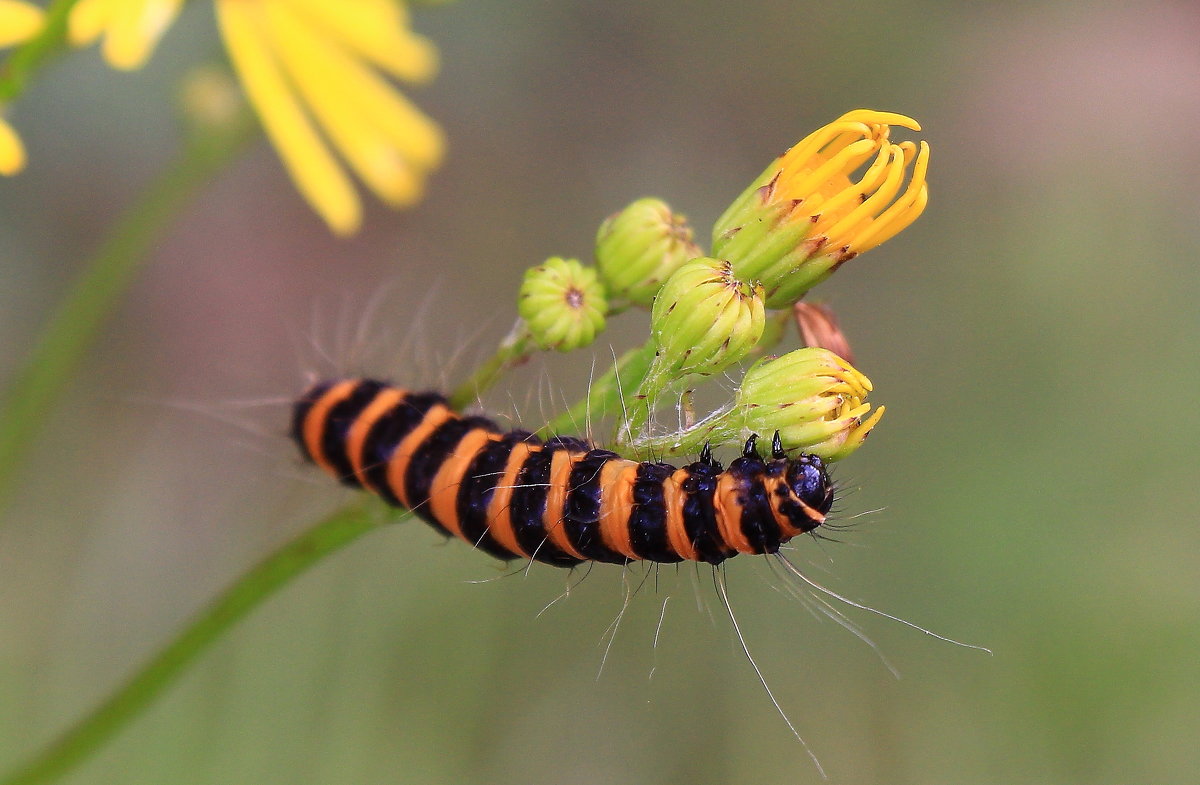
(812,488)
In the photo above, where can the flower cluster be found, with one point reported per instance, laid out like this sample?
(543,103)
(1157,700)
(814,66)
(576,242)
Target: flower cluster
(841,191)
(806,215)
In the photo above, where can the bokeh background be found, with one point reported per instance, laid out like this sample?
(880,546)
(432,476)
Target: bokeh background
(1034,485)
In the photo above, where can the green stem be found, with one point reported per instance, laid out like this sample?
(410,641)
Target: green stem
(247,593)
(608,396)
(513,350)
(51,41)
(96,291)
(717,429)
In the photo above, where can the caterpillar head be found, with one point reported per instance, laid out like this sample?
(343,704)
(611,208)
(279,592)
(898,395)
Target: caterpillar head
(802,493)
(811,493)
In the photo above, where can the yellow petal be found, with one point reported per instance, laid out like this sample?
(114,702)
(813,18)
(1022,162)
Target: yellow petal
(904,211)
(134,30)
(319,74)
(875,203)
(881,118)
(19,21)
(366,95)
(89,19)
(377,30)
(313,169)
(12,152)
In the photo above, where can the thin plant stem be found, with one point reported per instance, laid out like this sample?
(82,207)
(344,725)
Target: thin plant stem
(247,593)
(104,279)
(37,51)
(608,396)
(716,429)
(513,350)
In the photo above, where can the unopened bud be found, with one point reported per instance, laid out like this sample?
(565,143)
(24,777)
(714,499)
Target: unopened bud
(813,398)
(563,304)
(705,319)
(639,247)
(210,98)
(805,216)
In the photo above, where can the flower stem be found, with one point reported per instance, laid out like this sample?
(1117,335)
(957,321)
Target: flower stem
(20,65)
(513,351)
(716,430)
(609,396)
(160,672)
(99,287)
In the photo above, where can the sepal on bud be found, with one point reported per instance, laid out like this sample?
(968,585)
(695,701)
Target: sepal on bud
(563,304)
(638,248)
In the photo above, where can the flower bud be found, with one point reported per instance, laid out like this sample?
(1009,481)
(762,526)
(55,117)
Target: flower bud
(563,304)
(815,399)
(805,216)
(210,99)
(704,319)
(639,247)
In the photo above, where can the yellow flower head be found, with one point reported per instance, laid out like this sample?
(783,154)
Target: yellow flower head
(314,71)
(814,399)
(807,214)
(19,21)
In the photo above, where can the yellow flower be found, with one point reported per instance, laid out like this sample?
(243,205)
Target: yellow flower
(19,21)
(814,399)
(805,215)
(314,72)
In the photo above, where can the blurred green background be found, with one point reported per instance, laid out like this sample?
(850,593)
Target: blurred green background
(1036,487)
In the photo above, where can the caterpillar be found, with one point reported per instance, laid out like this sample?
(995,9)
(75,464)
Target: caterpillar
(560,501)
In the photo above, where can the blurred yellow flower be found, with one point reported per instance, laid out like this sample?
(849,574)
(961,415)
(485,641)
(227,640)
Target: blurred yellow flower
(19,21)
(313,70)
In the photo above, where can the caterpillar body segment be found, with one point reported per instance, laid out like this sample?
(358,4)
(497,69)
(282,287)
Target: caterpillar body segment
(560,501)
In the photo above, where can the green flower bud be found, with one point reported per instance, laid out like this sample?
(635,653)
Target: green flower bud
(639,247)
(563,304)
(815,399)
(805,215)
(705,319)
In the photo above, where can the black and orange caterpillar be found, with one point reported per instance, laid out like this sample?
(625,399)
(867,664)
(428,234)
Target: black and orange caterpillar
(559,501)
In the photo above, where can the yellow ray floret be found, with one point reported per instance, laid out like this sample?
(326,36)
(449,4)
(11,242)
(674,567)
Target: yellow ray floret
(19,21)
(314,71)
(12,152)
(855,215)
(318,176)
(310,73)
(131,28)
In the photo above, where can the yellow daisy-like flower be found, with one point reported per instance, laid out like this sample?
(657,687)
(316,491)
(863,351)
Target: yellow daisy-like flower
(314,72)
(809,212)
(19,21)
